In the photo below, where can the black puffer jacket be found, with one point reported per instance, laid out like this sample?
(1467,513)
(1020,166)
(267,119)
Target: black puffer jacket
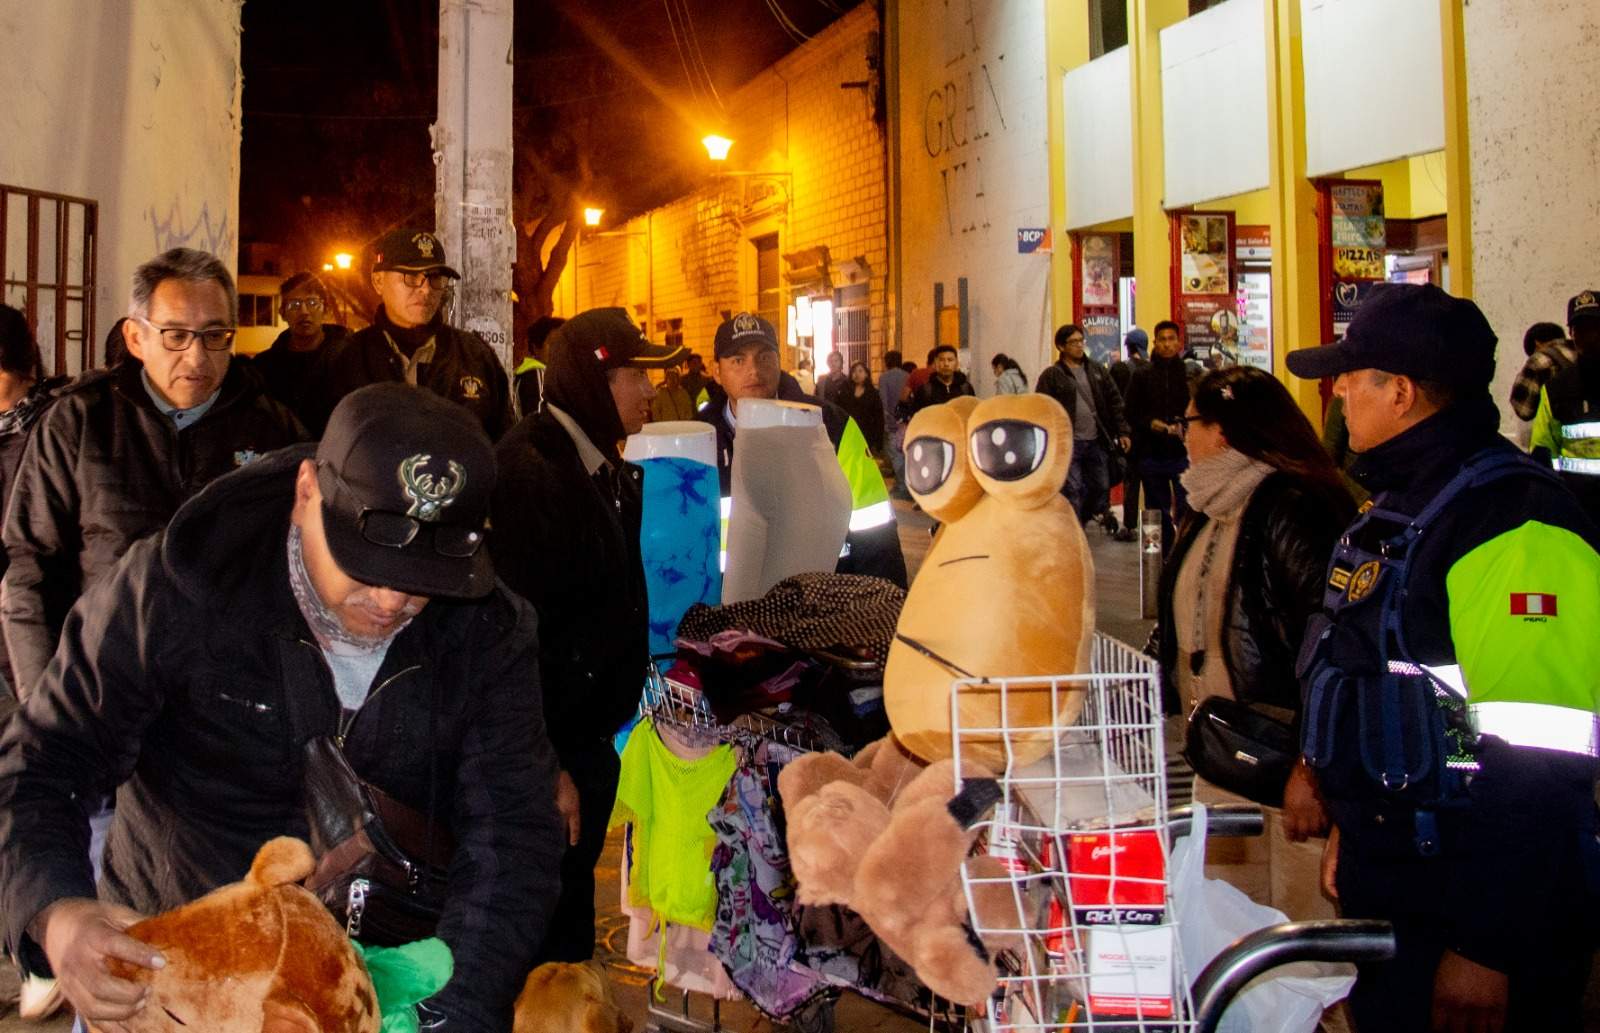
(295,378)
(103,469)
(1158,392)
(1286,537)
(189,679)
(464,369)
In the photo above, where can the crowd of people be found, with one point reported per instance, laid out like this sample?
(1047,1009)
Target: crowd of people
(379,539)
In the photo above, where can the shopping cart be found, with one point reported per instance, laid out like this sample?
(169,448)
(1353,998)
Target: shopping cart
(1086,838)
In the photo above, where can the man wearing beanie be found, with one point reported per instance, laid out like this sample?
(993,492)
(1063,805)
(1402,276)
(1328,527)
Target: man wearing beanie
(569,510)
(410,342)
(1450,684)
(334,596)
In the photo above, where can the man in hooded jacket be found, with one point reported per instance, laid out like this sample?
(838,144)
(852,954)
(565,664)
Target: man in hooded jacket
(568,509)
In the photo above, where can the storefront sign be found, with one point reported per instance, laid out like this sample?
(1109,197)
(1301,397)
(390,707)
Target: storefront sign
(1252,244)
(1205,261)
(1347,298)
(1033,241)
(1357,216)
(1098,268)
(1102,337)
(1204,322)
(1358,263)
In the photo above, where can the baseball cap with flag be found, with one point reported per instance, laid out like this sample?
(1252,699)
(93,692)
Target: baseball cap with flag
(406,477)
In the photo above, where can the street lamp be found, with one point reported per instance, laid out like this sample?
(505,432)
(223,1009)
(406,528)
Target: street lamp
(592,216)
(344,259)
(327,267)
(717,147)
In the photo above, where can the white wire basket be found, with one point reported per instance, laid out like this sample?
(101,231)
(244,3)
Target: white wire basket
(1081,835)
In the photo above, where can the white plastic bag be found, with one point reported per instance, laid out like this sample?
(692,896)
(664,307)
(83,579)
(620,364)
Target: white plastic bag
(1212,914)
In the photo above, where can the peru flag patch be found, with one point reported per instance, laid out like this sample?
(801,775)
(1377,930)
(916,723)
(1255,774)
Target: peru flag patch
(1533,604)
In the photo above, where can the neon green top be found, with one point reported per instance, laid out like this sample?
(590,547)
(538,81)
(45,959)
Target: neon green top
(1547,432)
(667,799)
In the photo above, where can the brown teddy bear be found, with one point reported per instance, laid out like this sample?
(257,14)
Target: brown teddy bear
(259,956)
(1007,590)
(561,997)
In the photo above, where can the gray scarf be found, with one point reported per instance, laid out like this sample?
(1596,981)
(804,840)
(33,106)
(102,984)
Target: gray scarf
(324,624)
(1220,485)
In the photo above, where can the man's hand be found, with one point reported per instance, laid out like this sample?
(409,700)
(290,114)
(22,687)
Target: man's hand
(79,937)
(567,804)
(1330,865)
(1159,426)
(1126,442)
(1303,813)
(1468,997)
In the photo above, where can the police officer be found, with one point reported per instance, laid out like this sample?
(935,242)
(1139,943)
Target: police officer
(1451,685)
(1567,424)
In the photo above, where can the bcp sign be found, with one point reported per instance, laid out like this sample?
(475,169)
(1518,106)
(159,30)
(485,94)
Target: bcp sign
(1033,241)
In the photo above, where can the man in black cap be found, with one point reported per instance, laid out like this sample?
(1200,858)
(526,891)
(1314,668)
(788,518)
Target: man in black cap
(410,341)
(569,509)
(1566,422)
(746,351)
(293,599)
(1451,688)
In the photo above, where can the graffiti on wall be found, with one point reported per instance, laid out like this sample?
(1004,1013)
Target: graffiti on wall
(959,113)
(202,231)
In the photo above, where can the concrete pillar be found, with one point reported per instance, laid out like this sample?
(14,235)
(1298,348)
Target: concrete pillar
(472,151)
(1152,246)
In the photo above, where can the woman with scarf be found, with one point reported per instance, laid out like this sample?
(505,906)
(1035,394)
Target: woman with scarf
(1246,572)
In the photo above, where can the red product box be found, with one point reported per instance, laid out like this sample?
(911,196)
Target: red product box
(1117,878)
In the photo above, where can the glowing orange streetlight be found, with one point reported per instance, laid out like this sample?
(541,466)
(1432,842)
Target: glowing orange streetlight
(327,267)
(592,216)
(717,147)
(344,259)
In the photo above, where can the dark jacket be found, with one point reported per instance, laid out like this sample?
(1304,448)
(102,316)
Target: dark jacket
(568,542)
(866,410)
(1057,381)
(1508,880)
(104,468)
(189,679)
(934,391)
(1160,392)
(295,378)
(464,369)
(1280,560)
(1124,370)
(16,424)
(873,551)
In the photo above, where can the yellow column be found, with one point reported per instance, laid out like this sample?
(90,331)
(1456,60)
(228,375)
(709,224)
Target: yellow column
(1296,300)
(1457,155)
(1152,250)
(1066,47)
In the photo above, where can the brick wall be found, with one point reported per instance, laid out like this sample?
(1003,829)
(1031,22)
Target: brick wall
(693,258)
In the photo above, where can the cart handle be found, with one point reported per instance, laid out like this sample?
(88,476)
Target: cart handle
(1227,820)
(1266,949)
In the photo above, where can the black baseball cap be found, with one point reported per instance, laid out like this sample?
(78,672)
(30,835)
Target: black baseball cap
(410,251)
(406,477)
(1583,305)
(614,341)
(742,330)
(1416,330)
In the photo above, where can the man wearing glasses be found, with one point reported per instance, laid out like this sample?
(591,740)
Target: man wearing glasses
(338,590)
(124,447)
(410,341)
(293,369)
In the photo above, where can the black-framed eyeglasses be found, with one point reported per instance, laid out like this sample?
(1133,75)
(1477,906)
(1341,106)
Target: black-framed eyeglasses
(435,280)
(1182,423)
(308,304)
(398,530)
(179,338)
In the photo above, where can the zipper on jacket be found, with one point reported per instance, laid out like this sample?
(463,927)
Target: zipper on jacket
(345,723)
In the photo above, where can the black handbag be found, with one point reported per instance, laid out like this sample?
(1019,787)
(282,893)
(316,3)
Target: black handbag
(1236,747)
(379,871)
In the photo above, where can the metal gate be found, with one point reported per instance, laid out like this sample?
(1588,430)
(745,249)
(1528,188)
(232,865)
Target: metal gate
(47,269)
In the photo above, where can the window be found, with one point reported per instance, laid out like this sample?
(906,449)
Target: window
(1108,26)
(257,310)
(852,323)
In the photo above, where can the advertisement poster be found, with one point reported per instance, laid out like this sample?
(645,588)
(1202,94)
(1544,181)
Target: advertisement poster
(1102,337)
(1347,297)
(1033,241)
(1099,271)
(1255,320)
(1205,258)
(1356,231)
(1205,320)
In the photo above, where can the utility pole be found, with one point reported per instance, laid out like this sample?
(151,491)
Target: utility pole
(472,153)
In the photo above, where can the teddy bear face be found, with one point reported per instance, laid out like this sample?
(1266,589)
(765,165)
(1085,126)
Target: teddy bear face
(1007,588)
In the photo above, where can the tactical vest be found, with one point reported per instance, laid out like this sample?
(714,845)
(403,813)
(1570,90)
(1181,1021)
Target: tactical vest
(1576,406)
